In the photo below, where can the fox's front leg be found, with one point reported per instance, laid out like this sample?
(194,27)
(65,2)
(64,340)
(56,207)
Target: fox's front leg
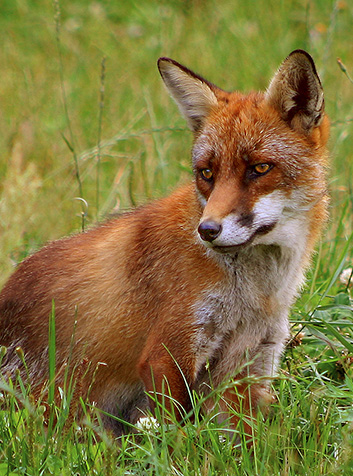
(251,389)
(166,368)
(240,402)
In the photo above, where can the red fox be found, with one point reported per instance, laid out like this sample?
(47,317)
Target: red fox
(182,293)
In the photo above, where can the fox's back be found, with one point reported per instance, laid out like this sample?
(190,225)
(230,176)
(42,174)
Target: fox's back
(110,284)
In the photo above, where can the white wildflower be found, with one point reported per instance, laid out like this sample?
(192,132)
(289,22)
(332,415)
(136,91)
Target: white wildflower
(346,277)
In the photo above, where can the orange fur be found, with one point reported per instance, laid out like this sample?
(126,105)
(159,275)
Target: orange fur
(186,290)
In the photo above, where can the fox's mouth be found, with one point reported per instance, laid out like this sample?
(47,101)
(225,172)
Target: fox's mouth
(230,249)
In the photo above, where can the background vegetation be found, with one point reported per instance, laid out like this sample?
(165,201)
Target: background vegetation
(84,115)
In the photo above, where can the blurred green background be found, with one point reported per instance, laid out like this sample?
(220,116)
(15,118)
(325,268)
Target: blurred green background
(77,75)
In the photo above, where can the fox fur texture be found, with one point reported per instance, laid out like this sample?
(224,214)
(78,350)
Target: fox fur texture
(190,290)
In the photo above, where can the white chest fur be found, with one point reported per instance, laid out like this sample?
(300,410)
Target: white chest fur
(248,311)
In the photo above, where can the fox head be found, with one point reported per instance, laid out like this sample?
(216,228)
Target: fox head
(259,158)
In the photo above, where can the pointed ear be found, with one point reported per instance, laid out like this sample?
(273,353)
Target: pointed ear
(296,92)
(194,95)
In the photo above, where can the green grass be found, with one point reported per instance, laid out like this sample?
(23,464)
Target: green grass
(84,115)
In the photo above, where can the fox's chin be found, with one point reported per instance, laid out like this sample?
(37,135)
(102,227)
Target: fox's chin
(234,248)
(229,250)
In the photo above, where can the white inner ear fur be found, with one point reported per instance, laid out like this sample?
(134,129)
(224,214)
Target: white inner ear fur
(285,88)
(193,97)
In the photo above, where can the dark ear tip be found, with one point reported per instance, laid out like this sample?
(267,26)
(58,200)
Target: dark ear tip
(163,59)
(301,52)
(163,63)
(305,54)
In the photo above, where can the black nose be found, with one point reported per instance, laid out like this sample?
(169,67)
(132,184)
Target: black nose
(209,230)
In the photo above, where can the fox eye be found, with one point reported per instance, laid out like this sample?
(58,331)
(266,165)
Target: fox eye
(207,174)
(261,169)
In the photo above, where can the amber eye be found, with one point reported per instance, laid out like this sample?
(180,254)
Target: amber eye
(262,168)
(206,174)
